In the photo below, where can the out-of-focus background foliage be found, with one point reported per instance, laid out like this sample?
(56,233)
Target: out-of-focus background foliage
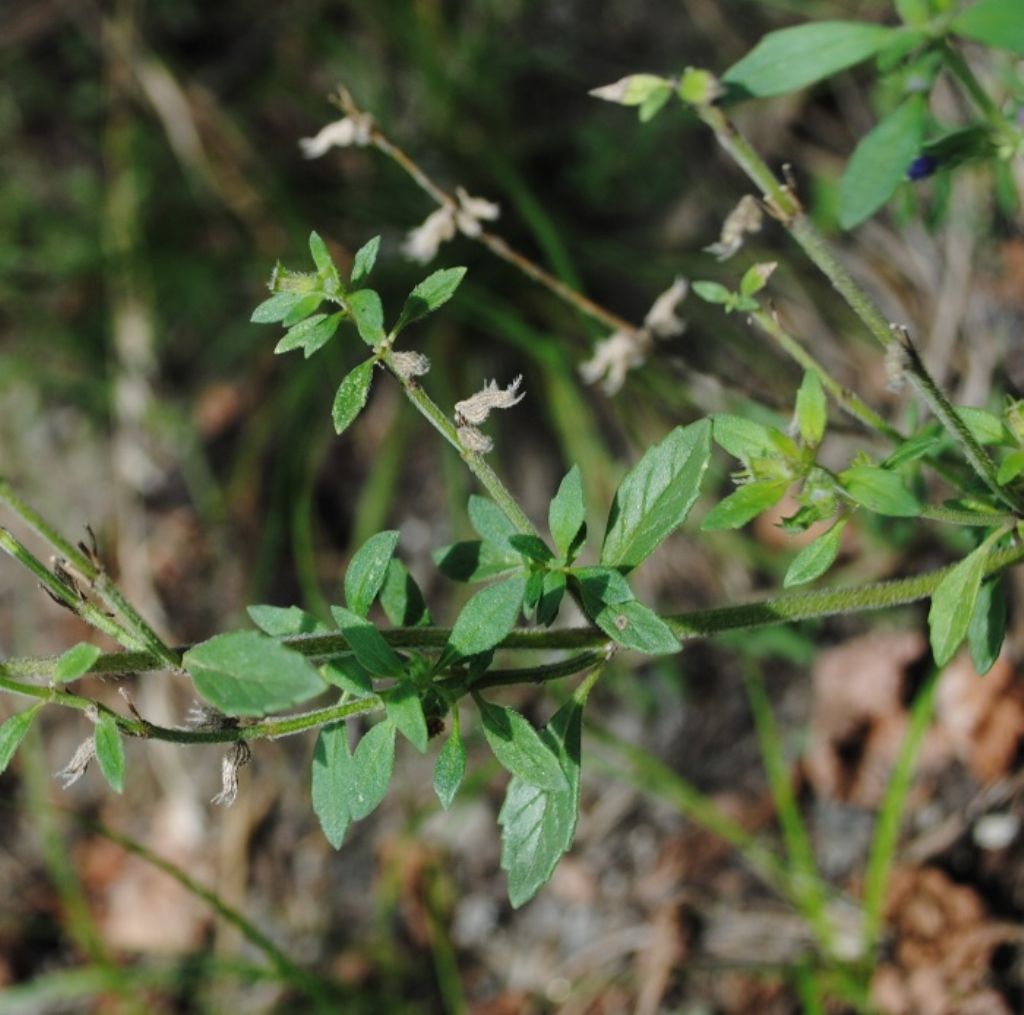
(150,177)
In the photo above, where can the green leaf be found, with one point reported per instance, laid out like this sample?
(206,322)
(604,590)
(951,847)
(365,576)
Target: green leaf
(988,624)
(434,291)
(916,447)
(519,748)
(880,160)
(450,767)
(490,522)
(368,644)
(76,662)
(247,673)
(1010,467)
(745,503)
(531,547)
(880,490)
(367,570)
(277,308)
(305,306)
(331,776)
(602,586)
(474,561)
(283,621)
(811,410)
(370,769)
(953,604)
(743,438)
(635,626)
(650,107)
(110,751)
(321,255)
(567,515)
(13,731)
(712,292)
(405,710)
(488,616)
(311,334)
(537,824)
(997,23)
(367,315)
(346,672)
(551,593)
(794,57)
(351,397)
(816,557)
(913,12)
(985,427)
(656,495)
(401,597)
(365,259)
(755,278)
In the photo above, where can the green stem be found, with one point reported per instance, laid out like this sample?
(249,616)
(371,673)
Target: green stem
(961,70)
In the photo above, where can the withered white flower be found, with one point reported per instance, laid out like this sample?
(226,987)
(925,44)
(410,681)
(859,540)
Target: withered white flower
(341,133)
(614,357)
(473,440)
(472,211)
(409,363)
(76,767)
(475,409)
(422,243)
(237,756)
(661,318)
(745,218)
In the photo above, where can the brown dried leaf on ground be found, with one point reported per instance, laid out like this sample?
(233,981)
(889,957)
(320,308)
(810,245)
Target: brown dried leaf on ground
(942,945)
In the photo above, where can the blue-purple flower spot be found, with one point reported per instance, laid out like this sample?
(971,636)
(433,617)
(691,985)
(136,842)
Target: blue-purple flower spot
(922,167)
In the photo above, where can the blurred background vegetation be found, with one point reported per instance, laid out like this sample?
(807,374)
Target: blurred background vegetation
(149,180)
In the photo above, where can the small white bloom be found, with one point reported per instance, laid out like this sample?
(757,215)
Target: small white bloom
(341,133)
(422,243)
(661,318)
(409,363)
(475,409)
(472,211)
(238,756)
(745,218)
(614,357)
(75,768)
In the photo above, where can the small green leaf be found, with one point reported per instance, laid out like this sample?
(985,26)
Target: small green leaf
(349,674)
(811,410)
(755,279)
(283,621)
(745,503)
(519,748)
(602,586)
(816,557)
(331,776)
(370,770)
(538,825)
(916,447)
(247,673)
(401,597)
(698,87)
(368,644)
(794,57)
(434,291)
(405,710)
(367,569)
(275,309)
(913,12)
(656,495)
(490,522)
(551,593)
(321,255)
(488,616)
(632,90)
(743,438)
(13,731)
(567,514)
(305,306)
(450,766)
(988,624)
(1010,467)
(76,662)
(474,561)
(953,604)
(110,751)
(650,107)
(367,315)
(879,162)
(635,626)
(712,292)
(531,547)
(351,397)
(997,23)
(310,335)
(985,427)
(365,259)
(880,490)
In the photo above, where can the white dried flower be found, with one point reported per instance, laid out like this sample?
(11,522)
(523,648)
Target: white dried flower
(745,218)
(350,130)
(76,767)
(422,243)
(472,211)
(408,363)
(236,758)
(475,409)
(614,357)
(473,440)
(661,319)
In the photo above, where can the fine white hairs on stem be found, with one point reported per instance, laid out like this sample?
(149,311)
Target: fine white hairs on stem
(76,767)
(343,133)
(238,756)
(422,243)
(473,411)
(745,218)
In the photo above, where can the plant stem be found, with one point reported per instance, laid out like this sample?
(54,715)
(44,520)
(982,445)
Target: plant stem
(961,70)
